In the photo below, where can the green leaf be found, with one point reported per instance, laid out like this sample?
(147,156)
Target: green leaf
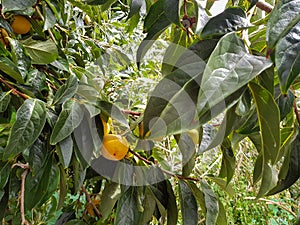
(172,104)
(222,218)
(69,118)
(4,101)
(224,185)
(96,2)
(36,185)
(4,202)
(75,222)
(66,91)
(38,154)
(136,6)
(228,161)
(171,8)
(110,196)
(293,173)
(188,203)
(112,111)
(30,120)
(211,203)
(232,19)
(127,210)
(65,151)
(20,58)
(155,23)
(229,68)
(287,57)
(5,24)
(149,205)
(41,52)
(172,211)
(284,16)
(10,68)
(4,174)
(269,122)
(285,103)
(21,5)
(269,180)
(188,150)
(50,18)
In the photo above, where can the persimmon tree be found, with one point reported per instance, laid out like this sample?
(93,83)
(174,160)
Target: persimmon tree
(79,75)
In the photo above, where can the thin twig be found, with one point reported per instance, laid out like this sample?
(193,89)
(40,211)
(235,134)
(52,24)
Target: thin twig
(131,112)
(22,191)
(42,17)
(13,90)
(264,6)
(274,203)
(163,170)
(88,197)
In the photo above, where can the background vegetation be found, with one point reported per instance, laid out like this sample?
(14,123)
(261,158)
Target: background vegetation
(225,87)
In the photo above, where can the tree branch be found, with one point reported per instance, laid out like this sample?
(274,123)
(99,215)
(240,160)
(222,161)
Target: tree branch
(23,177)
(13,90)
(163,170)
(263,6)
(88,197)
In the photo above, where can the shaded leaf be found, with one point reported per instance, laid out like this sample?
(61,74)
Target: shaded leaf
(50,18)
(69,118)
(228,161)
(112,111)
(188,203)
(30,120)
(149,205)
(171,9)
(172,211)
(232,19)
(283,17)
(127,210)
(268,117)
(269,180)
(211,203)
(285,103)
(293,172)
(41,52)
(137,6)
(4,174)
(287,57)
(224,185)
(65,151)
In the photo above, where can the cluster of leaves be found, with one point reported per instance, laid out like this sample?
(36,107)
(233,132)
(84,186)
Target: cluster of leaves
(59,77)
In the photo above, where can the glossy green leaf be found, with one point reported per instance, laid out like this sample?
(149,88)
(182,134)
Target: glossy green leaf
(172,211)
(20,57)
(11,69)
(232,19)
(66,91)
(266,79)
(229,68)
(4,100)
(31,118)
(127,210)
(293,173)
(287,57)
(8,5)
(211,202)
(69,118)
(110,196)
(38,154)
(284,16)
(258,169)
(65,151)
(41,52)
(188,204)
(5,24)
(50,18)
(137,6)
(202,18)
(269,122)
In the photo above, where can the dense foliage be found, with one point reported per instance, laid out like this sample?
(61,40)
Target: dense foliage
(176,83)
